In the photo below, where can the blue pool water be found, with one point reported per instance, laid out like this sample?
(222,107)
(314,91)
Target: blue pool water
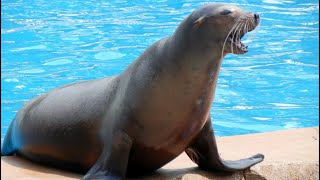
(275,86)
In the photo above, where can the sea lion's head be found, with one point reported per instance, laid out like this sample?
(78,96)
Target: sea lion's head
(223,25)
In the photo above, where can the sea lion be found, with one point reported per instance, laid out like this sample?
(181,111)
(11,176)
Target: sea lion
(141,119)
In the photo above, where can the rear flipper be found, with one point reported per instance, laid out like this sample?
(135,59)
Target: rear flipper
(7,148)
(204,152)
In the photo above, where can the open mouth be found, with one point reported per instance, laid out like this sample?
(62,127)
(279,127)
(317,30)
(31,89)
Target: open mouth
(235,39)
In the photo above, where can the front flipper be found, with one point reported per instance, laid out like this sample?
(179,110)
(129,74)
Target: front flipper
(204,152)
(112,163)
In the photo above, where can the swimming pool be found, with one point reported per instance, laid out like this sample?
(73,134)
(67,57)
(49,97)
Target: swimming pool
(46,44)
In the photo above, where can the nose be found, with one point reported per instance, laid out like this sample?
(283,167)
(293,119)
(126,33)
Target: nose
(257,17)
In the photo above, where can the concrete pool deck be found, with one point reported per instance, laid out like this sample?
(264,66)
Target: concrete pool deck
(289,154)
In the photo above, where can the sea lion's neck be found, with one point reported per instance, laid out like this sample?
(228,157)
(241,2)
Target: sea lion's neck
(188,44)
(190,64)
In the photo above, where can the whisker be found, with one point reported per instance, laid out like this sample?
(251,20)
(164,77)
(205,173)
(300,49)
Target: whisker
(239,33)
(235,34)
(246,27)
(251,22)
(231,30)
(241,29)
(252,35)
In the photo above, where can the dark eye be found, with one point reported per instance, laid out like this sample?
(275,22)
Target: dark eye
(225,12)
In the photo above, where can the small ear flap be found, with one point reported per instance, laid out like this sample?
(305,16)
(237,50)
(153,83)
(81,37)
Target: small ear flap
(199,22)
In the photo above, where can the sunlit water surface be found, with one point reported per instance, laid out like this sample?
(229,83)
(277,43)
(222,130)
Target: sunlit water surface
(275,86)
